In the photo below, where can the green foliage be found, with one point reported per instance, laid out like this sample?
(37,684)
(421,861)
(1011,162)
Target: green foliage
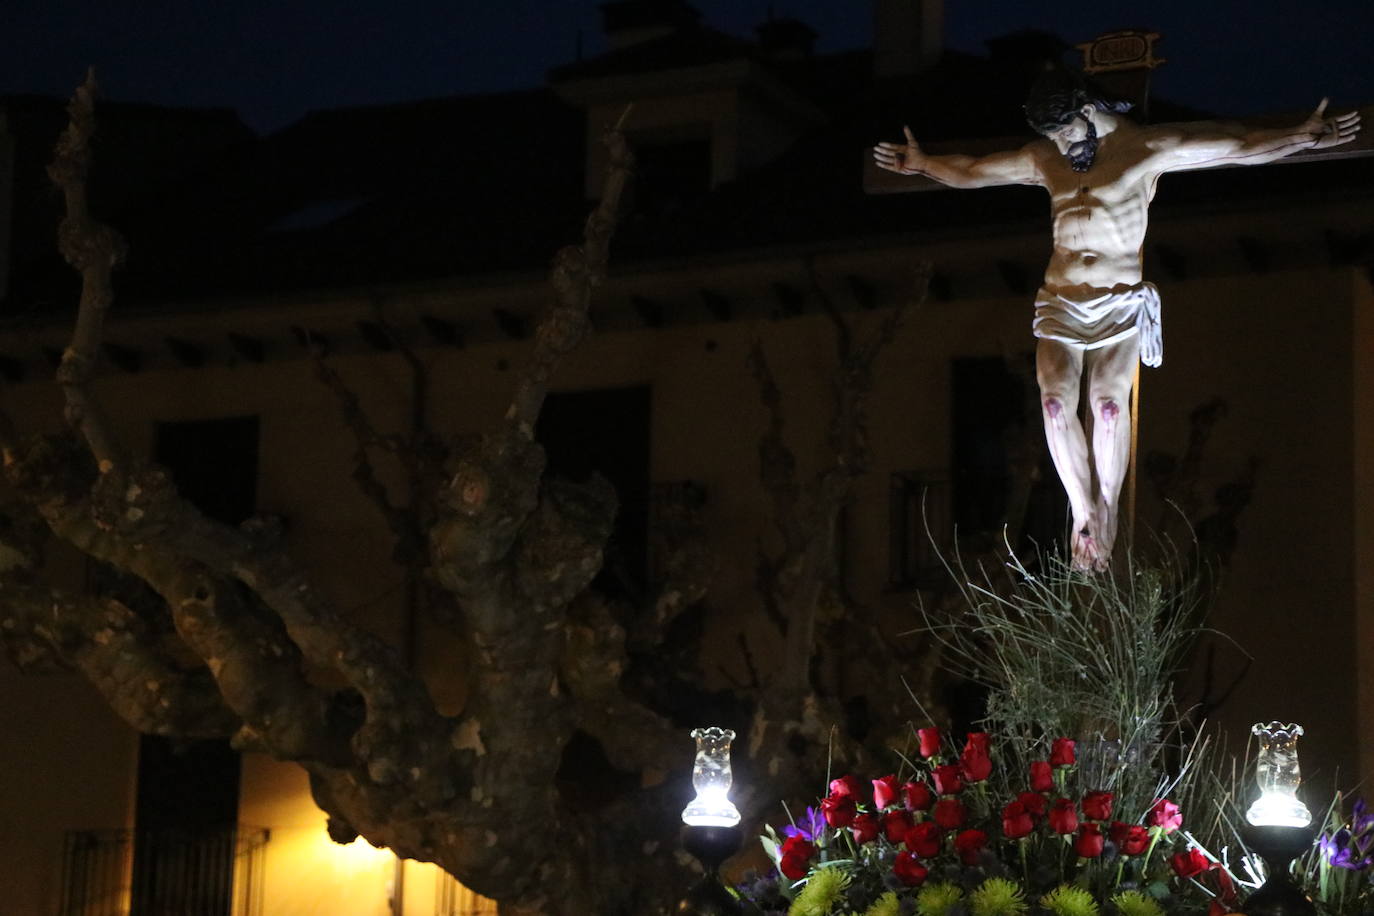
(997,897)
(821,892)
(1068,900)
(1134,903)
(886,905)
(938,899)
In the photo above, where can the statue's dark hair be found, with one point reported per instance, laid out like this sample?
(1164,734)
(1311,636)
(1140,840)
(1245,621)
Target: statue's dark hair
(1059,94)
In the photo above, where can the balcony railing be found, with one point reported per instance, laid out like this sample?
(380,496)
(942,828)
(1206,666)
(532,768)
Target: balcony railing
(452,899)
(214,873)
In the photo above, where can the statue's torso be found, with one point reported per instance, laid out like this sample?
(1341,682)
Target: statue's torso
(1100,216)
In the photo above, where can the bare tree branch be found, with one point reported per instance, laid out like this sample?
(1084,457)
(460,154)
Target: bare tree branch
(577,272)
(808,518)
(135,520)
(110,645)
(93,249)
(400,519)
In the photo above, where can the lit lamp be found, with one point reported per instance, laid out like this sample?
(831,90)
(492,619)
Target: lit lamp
(711,825)
(1279,822)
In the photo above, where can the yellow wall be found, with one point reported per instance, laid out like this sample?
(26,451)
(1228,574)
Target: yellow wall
(306,873)
(68,764)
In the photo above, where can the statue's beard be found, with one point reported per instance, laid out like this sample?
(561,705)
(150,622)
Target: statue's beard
(1082,154)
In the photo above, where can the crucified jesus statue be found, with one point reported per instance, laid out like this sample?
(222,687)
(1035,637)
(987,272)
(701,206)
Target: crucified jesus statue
(1095,316)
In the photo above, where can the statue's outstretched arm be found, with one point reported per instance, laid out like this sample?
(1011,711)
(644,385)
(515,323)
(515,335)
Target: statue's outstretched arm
(958,171)
(1211,143)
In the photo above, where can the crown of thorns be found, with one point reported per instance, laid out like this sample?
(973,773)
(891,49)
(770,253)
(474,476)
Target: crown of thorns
(1059,95)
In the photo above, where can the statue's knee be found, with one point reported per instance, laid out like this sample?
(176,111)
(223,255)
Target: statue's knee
(1053,407)
(1108,409)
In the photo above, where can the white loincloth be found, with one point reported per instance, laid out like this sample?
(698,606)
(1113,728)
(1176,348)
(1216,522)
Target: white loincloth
(1103,320)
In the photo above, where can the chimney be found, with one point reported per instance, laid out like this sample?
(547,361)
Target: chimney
(907,36)
(632,22)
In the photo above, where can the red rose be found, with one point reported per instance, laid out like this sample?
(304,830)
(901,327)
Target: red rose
(1041,777)
(1097,805)
(968,844)
(977,740)
(896,822)
(846,785)
(924,839)
(1088,843)
(1130,839)
(1016,821)
(1136,840)
(796,853)
(1190,863)
(865,828)
(1061,753)
(1227,889)
(1164,815)
(884,791)
(1063,816)
(974,763)
(839,810)
(794,866)
(950,813)
(1033,802)
(917,796)
(947,780)
(908,870)
(930,741)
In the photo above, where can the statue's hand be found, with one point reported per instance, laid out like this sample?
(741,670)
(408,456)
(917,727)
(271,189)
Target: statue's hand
(902,158)
(1326,132)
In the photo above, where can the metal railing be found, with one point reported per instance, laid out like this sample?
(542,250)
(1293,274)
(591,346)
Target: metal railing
(452,899)
(163,873)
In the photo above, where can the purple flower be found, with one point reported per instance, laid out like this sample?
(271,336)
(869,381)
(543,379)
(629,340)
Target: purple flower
(1361,818)
(1339,854)
(810,828)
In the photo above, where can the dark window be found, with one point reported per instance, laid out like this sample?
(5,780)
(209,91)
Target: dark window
(987,401)
(606,432)
(919,529)
(185,835)
(993,411)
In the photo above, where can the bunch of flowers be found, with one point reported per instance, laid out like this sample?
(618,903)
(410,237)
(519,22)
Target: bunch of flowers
(940,844)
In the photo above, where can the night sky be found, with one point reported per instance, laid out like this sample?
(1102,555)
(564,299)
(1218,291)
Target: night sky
(273,61)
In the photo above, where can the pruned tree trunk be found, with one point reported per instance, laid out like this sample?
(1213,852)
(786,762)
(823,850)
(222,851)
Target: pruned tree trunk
(501,544)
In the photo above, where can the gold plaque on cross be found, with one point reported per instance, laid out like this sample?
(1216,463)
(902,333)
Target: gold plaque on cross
(1128,50)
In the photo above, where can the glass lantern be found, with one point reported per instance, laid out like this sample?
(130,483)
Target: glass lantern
(1277,773)
(711,778)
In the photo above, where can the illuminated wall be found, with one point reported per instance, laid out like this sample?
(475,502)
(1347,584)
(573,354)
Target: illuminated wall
(307,873)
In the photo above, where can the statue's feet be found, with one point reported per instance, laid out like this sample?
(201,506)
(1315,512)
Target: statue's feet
(1106,532)
(1086,550)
